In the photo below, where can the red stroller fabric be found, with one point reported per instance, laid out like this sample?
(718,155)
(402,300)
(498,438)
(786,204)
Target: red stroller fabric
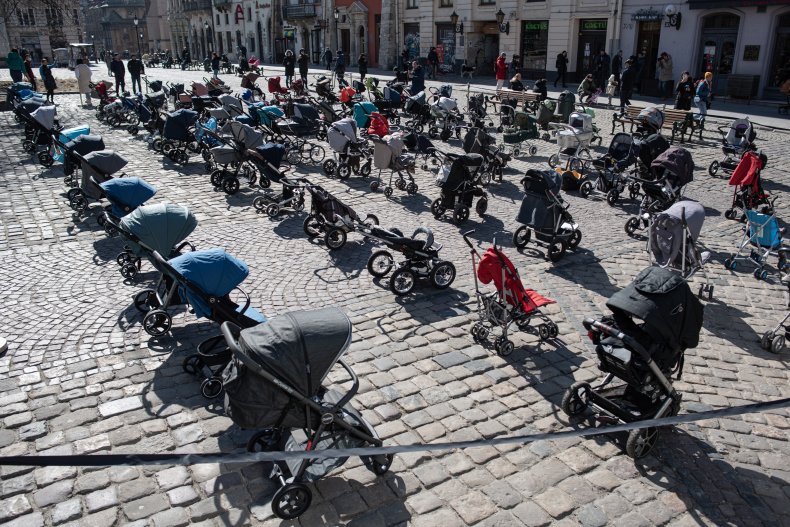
(747,173)
(490,269)
(346,94)
(199,89)
(275,87)
(378,125)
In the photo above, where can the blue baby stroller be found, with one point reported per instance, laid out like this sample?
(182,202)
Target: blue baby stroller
(177,133)
(362,111)
(763,237)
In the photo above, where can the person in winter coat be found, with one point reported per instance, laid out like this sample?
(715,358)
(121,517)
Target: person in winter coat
(617,66)
(704,94)
(136,68)
(326,58)
(516,84)
(611,87)
(586,88)
(303,62)
(500,70)
(215,62)
(362,64)
(684,91)
(119,72)
(417,78)
(290,64)
(627,80)
(45,72)
(541,88)
(602,66)
(664,70)
(433,63)
(83,74)
(29,72)
(562,68)
(340,66)
(16,65)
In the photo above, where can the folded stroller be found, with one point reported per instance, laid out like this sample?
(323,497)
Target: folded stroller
(460,184)
(763,237)
(510,303)
(275,383)
(672,243)
(333,219)
(654,320)
(160,228)
(388,155)
(544,212)
(204,280)
(671,171)
(267,159)
(774,340)
(736,140)
(231,158)
(422,260)
(73,153)
(177,133)
(609,178)
(348,150)
(747,186)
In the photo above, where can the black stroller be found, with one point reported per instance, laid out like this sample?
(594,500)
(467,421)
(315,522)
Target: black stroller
(333,219)
(671,171)
(609,177)
(419,112)
(422,260)
(41,129)
(460,183)
(544,212)
(649,148)
(495,158)
(304,124)
(654,320)
(177,133)
(74,151)
(267,159)
(275,384)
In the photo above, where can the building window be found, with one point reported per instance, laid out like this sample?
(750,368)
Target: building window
(412,4)
(249,14)
(218,22)
(226,19)
(76,16)
(54,16)
(445,3)
(230,42)
(534,47)
(487,2)
(26,17)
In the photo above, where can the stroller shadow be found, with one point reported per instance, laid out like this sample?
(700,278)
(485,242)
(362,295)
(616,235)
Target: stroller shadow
(589,273)
(107,250)
(290,227)
(416,203)
(428,305)
(351,260)
(505,188)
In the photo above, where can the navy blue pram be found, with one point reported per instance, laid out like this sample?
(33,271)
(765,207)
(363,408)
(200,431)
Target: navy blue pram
(74,152)
(126,194)
(177,133)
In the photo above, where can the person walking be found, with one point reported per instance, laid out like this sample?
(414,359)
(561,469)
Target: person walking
(340,68)
(119,72)
(29,72)
(45,72)
(83,74)
(684,92)
(433,63)
(664,69)
(562,68)
(326,58)
(417,78)
(703,94)
(215,62)
(500,70)
(362,64)
(515,64)
(627,79)
(617,67)
(611,88)
(602,66)
(290,65)
(136,68)
(404,58)
(303,61)
(16,66)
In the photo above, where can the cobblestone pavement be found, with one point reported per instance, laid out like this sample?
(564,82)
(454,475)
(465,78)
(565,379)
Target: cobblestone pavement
(81,376)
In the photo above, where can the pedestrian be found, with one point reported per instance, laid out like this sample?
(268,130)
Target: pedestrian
(500,70)
(136,68)
(516,84)
(186,59)
(29,72)
(101,55)
(684,91)
(703,94)
(562,68)
(515,64)
(45,72)
(362,64)
(290,65)
(303,61)
(433,62)
(417,78)
(243,51)
(16,66)
(83,74)
(404,58)
(602,67)
(664,70)
(119,72)
(627,79)
(340,67)
(640,69)
(215,61)
(611,87)
(617,67)
(586,88)
(326,58)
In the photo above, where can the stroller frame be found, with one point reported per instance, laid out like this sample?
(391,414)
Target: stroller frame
(773,340)
(395,167)
(291,197)
(654,200)
(759,253)
(335,232)
(460,199)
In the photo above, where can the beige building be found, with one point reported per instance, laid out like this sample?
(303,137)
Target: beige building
(38,29)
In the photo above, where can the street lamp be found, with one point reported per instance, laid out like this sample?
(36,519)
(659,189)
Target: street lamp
(337,29)
(136,34)
(458,28)
(500,20)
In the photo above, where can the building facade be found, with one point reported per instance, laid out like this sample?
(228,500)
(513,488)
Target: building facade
(157,22)
(38,28)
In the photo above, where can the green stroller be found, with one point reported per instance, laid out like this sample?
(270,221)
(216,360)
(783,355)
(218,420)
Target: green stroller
(516,137)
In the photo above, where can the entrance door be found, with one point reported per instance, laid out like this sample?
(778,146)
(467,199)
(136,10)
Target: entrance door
(780,64)
(345,43)
(717,48)
(590,44)
(490,53)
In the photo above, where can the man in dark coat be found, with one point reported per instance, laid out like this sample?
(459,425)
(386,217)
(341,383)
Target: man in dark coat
(617,67)
(602,63)
(119,72)
(627,79)
(136,68)
(433,63)
(562,68)
(303,62)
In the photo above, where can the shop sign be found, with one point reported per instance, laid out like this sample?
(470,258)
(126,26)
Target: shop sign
(647,15)
(288,32)
(536,26)
(239,14)
(594,25)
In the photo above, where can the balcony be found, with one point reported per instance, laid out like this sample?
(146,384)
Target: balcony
(294,12)
(197,5)
(221,4)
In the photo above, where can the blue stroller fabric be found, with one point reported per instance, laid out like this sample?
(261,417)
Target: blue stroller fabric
(764,229)
(178,123)
(159,226)
(200,134)
(213,271)
(126,194)
(268,114)
(245,119)
(362,111)
(67,135)
(273,153)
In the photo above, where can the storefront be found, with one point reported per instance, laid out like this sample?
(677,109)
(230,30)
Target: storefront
(780,61)
(534,47)
(592,39)
(718,42)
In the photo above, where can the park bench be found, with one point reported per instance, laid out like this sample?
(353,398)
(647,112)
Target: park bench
(525,98)
(680,122)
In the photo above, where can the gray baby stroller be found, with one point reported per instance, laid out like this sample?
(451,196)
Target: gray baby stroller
(672,243)
(774,339)
(736,139)
(348,150)
(609,177)
(275,383)
(333,219)
(388,155)
(232,157)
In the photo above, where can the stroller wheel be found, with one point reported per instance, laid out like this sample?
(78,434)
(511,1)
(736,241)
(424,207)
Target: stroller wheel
(364,170)
(729,214)
(388,191)
(374,186)
(442,274)
(522,236)
(45,159)
(133,130)
(145,300)
(576,398)
(259,203)
(611,197)
(533,150)
(400,184)
(343,171)
(714,167)
(123,258)
(479,331)
(230,185)
(182,158)
(192,365)
(553,330)
(217,177)
(402,281)
(777,344)
(114,120)
(129,270)
(433,132)
(631,226)
(294,156)
(157,322)
(557,250)
(273,210)
(29,146)
(380,263)
(79,204)
(267,440)
(633,191)
(291,501)
(575,239)
(264,182)
(335,238)
(503,346)
(311,226)
(211,388)
(460,214)
(411,188)
(329,166)
(157,145)
(516,152)
(206,154)
(437,209)
(317,154)
(481,207)
(543,332)
(379,465)
(641,442)
(554,160)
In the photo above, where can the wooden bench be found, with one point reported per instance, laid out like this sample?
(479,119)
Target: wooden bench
(680,122)
(525,98)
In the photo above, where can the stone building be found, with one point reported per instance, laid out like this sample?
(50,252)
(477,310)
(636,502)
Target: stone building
(38,27)
(158,25)
(110,25)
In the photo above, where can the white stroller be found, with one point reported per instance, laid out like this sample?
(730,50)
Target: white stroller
(447,120)
(573,142)
(388,155)
(735,141)
(348,149)
(673,241)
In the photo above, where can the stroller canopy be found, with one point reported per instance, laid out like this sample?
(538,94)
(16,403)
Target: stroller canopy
(542,181)
(160,226)
(45,116)
(652,117)
(671,313)
(582,122)
(231,104)
(462,170)
(651,147)
(126,194)
(622,149)
(747,173)
(341,133)
(512,289)
(678,162)
(245,134)
(105,162)
(299,347)
(272,153)
(667,231)
(741,134)
(305,112)
(329,206)
(178,123)
(362,111)
(213,272)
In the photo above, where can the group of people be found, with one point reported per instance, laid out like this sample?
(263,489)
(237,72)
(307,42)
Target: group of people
(22,69)
(332,63)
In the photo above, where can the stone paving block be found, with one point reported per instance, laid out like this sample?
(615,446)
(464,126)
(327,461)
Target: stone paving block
(67,511)
(145,507)
(473,507)
(13,507)
(54,493)
(101,499)
(175,517)
(35,519)
(556,502)
(531,514)
(182,496)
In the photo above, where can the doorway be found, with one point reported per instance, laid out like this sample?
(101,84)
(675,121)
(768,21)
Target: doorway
(780,63)
(592,39)
(717,48)
(345,42)
(487,54)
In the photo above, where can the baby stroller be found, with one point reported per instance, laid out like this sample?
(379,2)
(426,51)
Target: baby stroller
(275,88)
(672,171)
(495,158)
(74,151)
(44,128)
(510,303)
(460,184)
(544,212)
(267,159)
(649,121)
(388,155)
(348,150)
(736,141)
(177,133)
(417,109)
(204,280)
(232,157)
(305,123)
(654,320)
(248,82)
(333,219)
(763,237)
(774,340)
(274,383)
(525,127)
(422,260)
(609,177)
(162,228)
(673,241)
(362,113)
(97,167)
(748,190)
(57,147)
(477,110)
(446,119)
(573,142)
(648,148)
(323,88)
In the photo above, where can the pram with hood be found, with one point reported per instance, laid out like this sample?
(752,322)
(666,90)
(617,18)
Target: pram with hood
(609,177)
(544,213)
(177,134)
(57,147)
(388,155)
(447,121)
(97,168)
(162,228)
(672,243)
(323,88)
(654,320)
(510,303)
(736,140)
(525,127)
(762,237)
(362,112)
(573,142)
(748,190)
(267,159)
(418,112)
(495,158)
(275,383)
(304,124)
(44,127)
(671,171)
(249,82)
(74,151)
(348,150)
(203,279)
(231,158)
(422,260)
(460,183)
(333,219)
(649,121)
(648,148)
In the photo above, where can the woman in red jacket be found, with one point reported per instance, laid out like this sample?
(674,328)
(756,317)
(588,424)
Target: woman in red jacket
(500,68)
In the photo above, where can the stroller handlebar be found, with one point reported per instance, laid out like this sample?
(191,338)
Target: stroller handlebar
(466,239)
(630,342)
